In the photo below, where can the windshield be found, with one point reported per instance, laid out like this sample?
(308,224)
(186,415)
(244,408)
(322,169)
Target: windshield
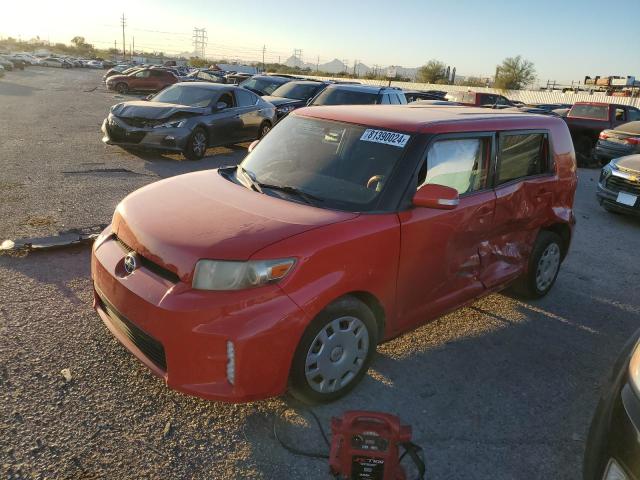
(346,166)
(263,85)
(186,95)
(338,96)
(296,91)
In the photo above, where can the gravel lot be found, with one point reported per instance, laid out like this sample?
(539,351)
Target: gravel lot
(499,390)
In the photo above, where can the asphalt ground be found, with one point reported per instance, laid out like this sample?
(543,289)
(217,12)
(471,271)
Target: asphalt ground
(503,389)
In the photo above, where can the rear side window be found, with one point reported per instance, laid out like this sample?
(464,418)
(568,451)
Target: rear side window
(620,115)
(634,115)
(460,163)
(521,156)
(596,112)
(245,98)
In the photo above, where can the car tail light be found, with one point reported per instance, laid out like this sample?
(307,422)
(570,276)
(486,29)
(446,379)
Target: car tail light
(231,362)
(633,140)
(603,136)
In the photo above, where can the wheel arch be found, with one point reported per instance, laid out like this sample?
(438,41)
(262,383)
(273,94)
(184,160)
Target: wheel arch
(564,232)
(376,307)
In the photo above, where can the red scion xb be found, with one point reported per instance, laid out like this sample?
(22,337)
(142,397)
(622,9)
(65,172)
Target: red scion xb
(344,227)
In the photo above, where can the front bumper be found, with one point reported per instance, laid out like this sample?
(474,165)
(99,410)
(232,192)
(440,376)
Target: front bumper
(181,334)
(624,436)
(609,198)
(116,132)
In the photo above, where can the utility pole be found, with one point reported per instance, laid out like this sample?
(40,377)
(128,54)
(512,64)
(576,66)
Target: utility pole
(264,49)
(355,62)
(318,64)
(123,22)
(133,51)
(345,62)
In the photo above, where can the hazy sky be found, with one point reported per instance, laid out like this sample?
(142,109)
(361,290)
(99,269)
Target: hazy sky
(565,39)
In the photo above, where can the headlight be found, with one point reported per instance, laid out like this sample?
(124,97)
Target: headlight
(285,108)
(605,172)
(173,124)
(229,275)
(634,370)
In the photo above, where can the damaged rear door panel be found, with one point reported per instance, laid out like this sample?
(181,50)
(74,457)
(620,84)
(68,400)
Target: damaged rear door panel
(525,182)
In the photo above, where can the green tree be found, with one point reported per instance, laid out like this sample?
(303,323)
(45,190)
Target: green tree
(78,41)
(198,62)
(473,82)
(434,71)
(514,73)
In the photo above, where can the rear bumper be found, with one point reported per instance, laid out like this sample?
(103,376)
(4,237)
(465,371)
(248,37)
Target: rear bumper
(172,139)
(182,334)
(606,151)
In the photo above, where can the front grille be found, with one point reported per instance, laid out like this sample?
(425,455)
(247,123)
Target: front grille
(149,265)
(119,134)
(149,346)
(141,122)
(620,184)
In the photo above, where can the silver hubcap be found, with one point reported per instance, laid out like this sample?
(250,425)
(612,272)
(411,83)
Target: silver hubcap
(548,266)
(337,354)
(265,130)
(199,143)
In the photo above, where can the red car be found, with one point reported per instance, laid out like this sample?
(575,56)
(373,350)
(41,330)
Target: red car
(344,227)
(144,80)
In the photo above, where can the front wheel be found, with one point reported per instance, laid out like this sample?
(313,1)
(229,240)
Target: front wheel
(196,146)
(264,129)
(334,352)
(543,268)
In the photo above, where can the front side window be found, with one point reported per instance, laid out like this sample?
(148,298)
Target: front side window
(521,155)
(460,163)
(142,74)
(344,165)
(634,115)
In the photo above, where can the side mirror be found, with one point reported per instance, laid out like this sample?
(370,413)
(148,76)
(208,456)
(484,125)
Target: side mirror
(220,106)
(253,145)
(436,196)
(148,97)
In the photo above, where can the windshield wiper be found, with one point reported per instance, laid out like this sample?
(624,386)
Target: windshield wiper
(250,177)
(309,198)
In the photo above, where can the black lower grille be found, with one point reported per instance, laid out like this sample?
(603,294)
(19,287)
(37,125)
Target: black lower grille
(148,345)
(119,134)
(620,184)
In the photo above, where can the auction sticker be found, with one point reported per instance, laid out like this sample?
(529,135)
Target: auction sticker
(382,136)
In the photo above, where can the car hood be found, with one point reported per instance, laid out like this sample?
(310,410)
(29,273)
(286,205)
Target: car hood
(153,110)
(180,220)
(282,101)
(630,162)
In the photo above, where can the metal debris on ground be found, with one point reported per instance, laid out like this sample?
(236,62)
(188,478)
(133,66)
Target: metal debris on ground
(66,238)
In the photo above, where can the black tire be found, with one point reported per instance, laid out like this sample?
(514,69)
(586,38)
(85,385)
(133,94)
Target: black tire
(583,147)
(264,129)
(548,245)
(195,149)
(348,312)
(122,88)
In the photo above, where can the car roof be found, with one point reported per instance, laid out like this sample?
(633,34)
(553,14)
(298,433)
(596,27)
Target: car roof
(210,86)
(418,118)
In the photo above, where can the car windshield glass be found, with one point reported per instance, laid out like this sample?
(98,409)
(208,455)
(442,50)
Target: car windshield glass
(597,112)
(296,91)
(343,165)
(265,85)
(183,95)
(338,96)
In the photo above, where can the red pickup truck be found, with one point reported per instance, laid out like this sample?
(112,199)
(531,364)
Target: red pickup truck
(587,119)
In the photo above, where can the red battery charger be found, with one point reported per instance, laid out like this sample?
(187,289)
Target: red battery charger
(366,446)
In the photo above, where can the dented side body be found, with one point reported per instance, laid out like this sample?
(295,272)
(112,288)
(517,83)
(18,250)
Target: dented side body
(409,264)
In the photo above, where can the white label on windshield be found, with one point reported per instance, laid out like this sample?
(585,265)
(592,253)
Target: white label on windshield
(388,138)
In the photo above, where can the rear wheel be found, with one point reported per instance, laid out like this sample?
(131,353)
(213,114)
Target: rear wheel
(583,146)
(334,352)
(196,146)
(543,268)
(122,88)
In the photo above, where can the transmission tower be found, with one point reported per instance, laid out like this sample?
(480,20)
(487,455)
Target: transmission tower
(297,53)
(200,41)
